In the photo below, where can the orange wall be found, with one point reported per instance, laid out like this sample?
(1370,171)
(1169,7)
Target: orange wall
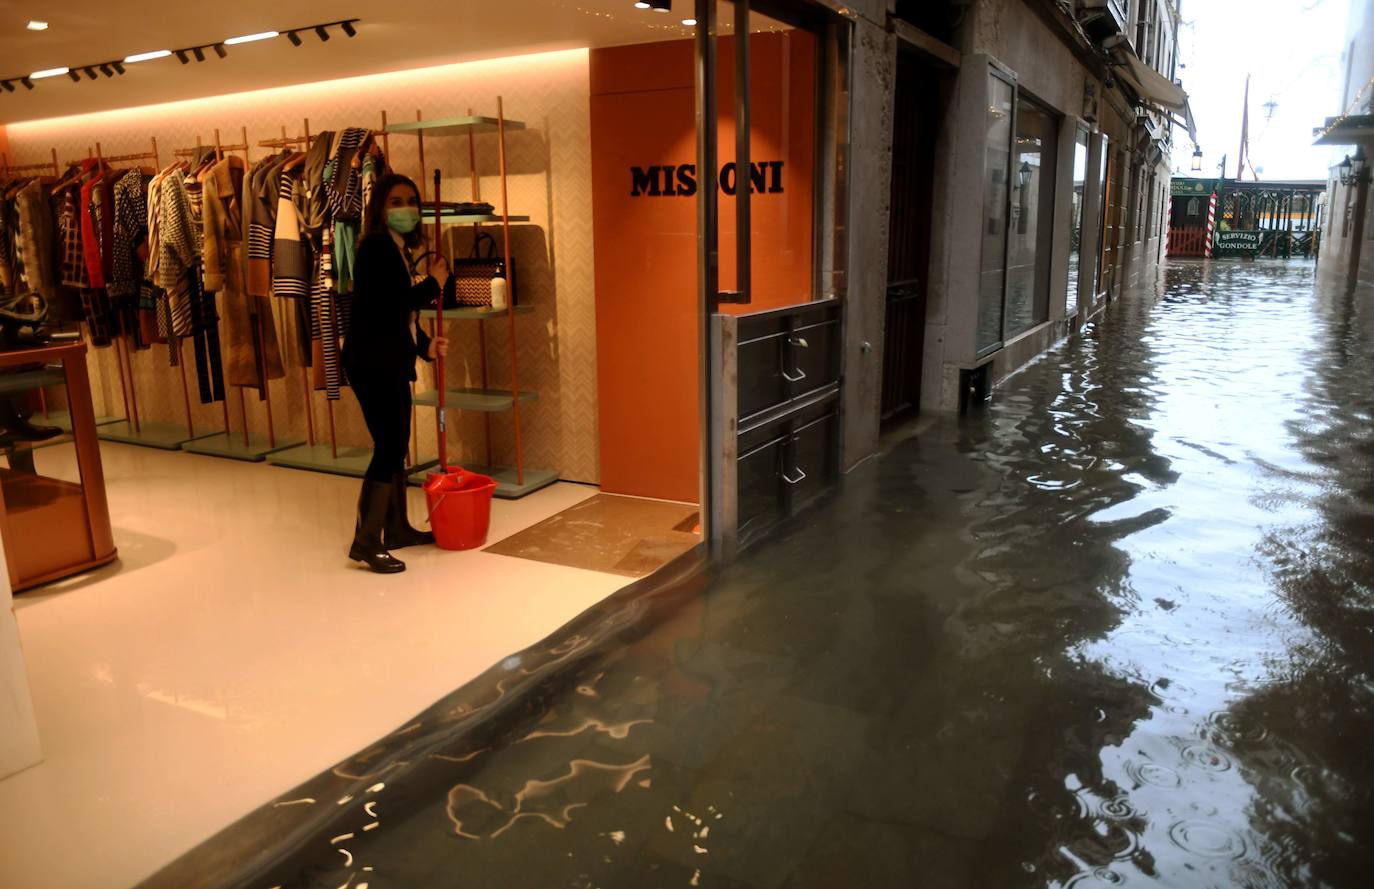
(642,114)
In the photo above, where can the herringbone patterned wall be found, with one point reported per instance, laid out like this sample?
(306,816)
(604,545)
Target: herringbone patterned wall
(549,180)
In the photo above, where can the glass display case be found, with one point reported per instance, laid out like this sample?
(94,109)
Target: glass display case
(54,518)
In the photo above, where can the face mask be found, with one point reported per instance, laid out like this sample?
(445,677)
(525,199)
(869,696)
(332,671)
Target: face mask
(402,220)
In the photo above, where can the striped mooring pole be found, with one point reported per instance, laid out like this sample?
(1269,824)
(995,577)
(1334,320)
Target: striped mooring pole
(1211,224)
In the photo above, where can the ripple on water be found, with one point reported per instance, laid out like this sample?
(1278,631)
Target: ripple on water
(1153,774)
(1231,728)
(1102,876)
(1117,809)
(1207,838)
(1206,757)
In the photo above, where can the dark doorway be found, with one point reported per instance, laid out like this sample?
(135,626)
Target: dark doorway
(915,121)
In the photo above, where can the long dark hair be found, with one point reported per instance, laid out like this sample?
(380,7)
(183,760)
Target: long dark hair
(374,219)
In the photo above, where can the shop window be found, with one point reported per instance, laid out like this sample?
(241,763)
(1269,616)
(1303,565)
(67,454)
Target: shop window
(1080,185)
(1032,207)
(996,164)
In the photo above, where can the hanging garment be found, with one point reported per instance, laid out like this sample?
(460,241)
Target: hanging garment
(38,238)
(205,344)
(325,320)
(253,355)
(130,228)
(74,272)
(8,277)
(178,238)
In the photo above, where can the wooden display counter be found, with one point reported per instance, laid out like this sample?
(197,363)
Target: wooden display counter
(52,527)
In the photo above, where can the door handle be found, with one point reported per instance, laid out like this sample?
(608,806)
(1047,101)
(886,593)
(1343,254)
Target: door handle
(801,476)
(800,375)
(799,341)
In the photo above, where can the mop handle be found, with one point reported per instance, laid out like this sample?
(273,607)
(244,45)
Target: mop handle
(439,331)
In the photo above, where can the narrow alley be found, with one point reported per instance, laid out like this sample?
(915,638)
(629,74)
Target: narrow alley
(1115,629)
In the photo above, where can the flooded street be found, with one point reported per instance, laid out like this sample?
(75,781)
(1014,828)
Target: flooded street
(1115,629)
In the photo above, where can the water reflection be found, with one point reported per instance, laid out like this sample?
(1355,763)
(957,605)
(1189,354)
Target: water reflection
(1114,630)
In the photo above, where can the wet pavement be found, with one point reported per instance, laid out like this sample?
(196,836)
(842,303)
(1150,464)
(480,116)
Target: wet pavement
(1115,630)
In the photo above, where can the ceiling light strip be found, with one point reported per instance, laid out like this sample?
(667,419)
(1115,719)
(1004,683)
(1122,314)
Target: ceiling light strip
(348,26)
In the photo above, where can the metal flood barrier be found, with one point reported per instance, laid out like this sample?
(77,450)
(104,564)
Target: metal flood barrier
(777,377)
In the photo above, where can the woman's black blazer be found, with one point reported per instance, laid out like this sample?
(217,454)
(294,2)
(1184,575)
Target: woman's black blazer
(379,346)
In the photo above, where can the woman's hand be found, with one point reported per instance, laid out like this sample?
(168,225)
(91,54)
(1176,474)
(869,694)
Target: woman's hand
(438,347)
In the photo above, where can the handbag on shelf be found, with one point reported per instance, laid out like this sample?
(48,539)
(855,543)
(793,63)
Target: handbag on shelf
(470,284)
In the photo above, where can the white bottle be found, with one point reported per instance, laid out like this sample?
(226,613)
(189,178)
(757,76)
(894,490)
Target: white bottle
(498,294)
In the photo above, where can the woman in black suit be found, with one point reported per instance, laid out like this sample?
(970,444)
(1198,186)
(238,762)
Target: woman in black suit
(379,355)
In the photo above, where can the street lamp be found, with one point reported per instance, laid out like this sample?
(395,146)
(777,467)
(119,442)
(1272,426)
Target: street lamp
(1197,159)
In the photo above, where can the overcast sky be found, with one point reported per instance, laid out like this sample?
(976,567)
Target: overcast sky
(1292,50)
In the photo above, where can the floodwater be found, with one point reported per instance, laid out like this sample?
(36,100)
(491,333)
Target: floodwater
(1117,629)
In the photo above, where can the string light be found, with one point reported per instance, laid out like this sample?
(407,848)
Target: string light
(1345,115)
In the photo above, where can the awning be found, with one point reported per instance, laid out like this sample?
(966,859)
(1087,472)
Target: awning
(1152,86)
(1185,120)
(1351,129)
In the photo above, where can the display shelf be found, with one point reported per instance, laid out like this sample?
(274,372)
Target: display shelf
(27,381)
(232,447)
(319,457)
(488,400)
(470,313)
(9,446)
(507,486)
(452,126)
(149,434)
(471,219)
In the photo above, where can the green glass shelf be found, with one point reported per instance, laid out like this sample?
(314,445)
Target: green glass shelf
(232,447)
(470,219)
(150,434)
(452,126)
(488,400)
(507,486)
(474,314)
(319,457)
(30,380)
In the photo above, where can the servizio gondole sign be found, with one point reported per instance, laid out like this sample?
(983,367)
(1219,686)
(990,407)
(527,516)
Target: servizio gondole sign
(680,180)
(1239,242)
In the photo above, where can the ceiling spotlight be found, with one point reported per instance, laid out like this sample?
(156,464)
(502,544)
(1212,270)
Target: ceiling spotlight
(661,5)
(250,38)
(321,32)
(118,66)
(221,51)
(28,84)
(199,53)
(691,23)
(37,26)
(48,72)
(349,29)
(641,4)
(294,38)
(8,85)
(147,56)
(74,75)
(182,57)
(107,70)
(90,72)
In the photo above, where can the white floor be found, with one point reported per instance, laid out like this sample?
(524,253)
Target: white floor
(234,652)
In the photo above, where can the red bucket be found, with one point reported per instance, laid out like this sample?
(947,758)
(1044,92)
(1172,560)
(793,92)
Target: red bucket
(459,507)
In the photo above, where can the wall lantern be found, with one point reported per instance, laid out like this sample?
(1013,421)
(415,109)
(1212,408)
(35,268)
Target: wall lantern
(1344,167)
(1197,159)
(1358,172)
(1023,175)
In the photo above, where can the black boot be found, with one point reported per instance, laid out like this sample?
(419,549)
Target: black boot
(373,504)
(398,532)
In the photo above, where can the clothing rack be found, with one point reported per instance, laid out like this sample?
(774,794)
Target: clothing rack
(7,171)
